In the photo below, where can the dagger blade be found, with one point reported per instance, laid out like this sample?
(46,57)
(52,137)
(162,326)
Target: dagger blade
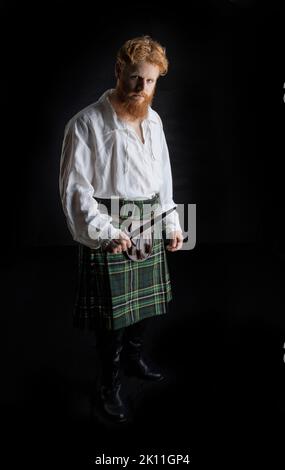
(150,223)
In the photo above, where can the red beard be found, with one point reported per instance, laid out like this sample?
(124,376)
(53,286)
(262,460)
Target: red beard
(126,107)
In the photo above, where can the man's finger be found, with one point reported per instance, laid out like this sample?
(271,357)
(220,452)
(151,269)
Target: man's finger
(179,245)
(125,241)
(175,244)
(124,245)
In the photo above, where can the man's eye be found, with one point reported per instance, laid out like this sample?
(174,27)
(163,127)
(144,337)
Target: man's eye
(150,80)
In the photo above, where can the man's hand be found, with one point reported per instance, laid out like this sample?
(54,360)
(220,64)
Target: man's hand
(175,241)
(117,245)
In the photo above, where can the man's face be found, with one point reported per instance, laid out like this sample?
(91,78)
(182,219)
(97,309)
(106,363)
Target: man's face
(136,87)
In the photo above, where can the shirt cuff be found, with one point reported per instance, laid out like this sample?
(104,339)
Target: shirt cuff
(171,224)
(104,233)
(109,232)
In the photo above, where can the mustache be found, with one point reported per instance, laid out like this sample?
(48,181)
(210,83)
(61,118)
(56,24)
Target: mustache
(142,94)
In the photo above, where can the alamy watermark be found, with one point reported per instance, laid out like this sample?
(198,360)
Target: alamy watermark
(165,219)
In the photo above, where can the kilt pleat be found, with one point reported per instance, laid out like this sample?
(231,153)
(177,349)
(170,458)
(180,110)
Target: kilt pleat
(114,291)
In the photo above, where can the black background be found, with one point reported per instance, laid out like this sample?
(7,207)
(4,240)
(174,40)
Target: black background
(222,341)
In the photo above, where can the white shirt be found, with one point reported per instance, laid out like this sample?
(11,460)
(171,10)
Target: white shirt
(102,156)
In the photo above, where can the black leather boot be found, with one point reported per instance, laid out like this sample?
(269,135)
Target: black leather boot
(113,406)
(135,363)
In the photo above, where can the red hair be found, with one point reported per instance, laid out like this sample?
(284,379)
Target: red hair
(143,48)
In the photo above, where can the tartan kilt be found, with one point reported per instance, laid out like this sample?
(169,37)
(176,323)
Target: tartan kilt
(114,291)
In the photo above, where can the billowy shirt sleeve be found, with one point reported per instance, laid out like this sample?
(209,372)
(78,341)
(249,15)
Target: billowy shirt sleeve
(171,222)
(77,165)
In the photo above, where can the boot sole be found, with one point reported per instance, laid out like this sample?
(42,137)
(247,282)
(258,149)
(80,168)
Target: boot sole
(148,379)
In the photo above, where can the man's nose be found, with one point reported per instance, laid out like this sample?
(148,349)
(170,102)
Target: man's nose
(140,84)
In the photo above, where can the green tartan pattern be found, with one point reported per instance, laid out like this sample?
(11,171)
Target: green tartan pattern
(115,292)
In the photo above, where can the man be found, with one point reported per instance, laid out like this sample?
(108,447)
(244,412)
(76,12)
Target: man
(114,151)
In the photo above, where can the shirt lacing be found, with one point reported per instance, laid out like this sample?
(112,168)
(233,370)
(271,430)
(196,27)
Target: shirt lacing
(126,146)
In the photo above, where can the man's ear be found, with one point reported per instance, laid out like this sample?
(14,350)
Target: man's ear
(117,70)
